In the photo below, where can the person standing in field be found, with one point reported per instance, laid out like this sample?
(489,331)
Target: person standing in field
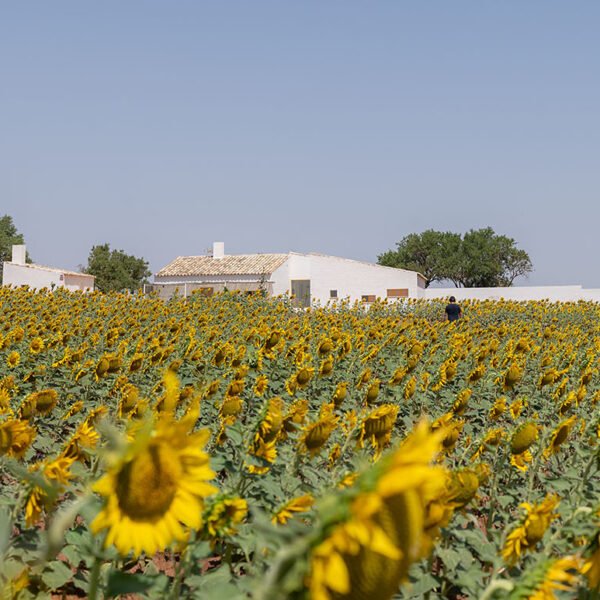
(453,310)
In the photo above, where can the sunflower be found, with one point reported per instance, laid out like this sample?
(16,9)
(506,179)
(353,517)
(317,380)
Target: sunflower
(36,345)
(136,362)
(516,408)
(591,566)
(85,438)
(301,504)
(235,388)
(364,377)
(326,366)
(15,437)
(462,401)
(130,396)
(155,489)
(56,474)
(261,384)
(231,406)
(101,368)
(451,431)
(271,425)
(296,415)
(223,515)
(325,347)
(75,408)
(477,373)
(341,391)
(462,487)
(372,392)
(4,401)
(521,461)
(531,530)
(497,409)
(398,375)
(559,436)
(265,452)
(13,359)
(367,555)
(44,401)
(410,388)
(523,438)
(377,426)
(316,434)
(548,377)
(299,380)
(512,377)
(561,574)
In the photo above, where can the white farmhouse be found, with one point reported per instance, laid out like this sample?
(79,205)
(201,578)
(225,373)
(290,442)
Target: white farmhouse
(309,277)
(18,272)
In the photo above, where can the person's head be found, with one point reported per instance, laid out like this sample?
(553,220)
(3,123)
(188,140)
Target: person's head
(452,299)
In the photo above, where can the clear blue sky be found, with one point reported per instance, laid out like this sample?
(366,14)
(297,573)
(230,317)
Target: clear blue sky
(327,125)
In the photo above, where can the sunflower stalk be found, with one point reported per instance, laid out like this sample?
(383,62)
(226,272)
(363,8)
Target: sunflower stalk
(94,578)
(533,475)
(182,573)
(283,561)
(493,495)
(497,585)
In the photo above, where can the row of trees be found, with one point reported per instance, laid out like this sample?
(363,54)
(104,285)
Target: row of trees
(479,258)
(114,269)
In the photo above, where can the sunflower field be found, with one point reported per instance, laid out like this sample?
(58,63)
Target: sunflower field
(237,447)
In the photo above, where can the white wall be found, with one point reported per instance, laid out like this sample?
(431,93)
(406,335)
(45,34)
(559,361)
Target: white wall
(352,279)
(81,282)
(38,277)
(562,293)
(17,275)
(281,279)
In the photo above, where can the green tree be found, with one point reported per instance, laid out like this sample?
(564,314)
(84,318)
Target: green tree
(116,271)
(429,253)
(480,258)
(9,236)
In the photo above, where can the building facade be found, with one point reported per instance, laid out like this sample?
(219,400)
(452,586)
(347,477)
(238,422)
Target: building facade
(310,278)
(18,272)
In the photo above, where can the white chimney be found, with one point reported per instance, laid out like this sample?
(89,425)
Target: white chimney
(218,249)
(18,254)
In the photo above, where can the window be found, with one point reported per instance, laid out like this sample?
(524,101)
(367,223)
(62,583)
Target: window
(333,293)
(368,298)
(398,293)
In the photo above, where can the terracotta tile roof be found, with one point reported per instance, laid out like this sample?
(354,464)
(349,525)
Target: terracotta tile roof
(233,264)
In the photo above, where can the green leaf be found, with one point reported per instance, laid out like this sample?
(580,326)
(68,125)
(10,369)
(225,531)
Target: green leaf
(219,576)
(127,583)
(451,558)
(56,574)
(425,584)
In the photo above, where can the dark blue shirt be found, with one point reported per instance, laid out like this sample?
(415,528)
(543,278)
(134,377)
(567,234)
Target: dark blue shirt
(453,311)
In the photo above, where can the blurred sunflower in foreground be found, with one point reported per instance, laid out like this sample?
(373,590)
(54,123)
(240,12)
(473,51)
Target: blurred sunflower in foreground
(155,488)
(371,533)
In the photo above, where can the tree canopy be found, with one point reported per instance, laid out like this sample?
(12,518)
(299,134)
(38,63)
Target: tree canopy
(479,258)
(9,236)
(116,271)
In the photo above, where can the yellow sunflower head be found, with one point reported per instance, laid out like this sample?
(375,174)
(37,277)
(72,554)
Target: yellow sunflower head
(155,489)
(523,438)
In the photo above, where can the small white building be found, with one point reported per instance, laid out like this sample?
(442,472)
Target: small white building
(18,272)
(309,277)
